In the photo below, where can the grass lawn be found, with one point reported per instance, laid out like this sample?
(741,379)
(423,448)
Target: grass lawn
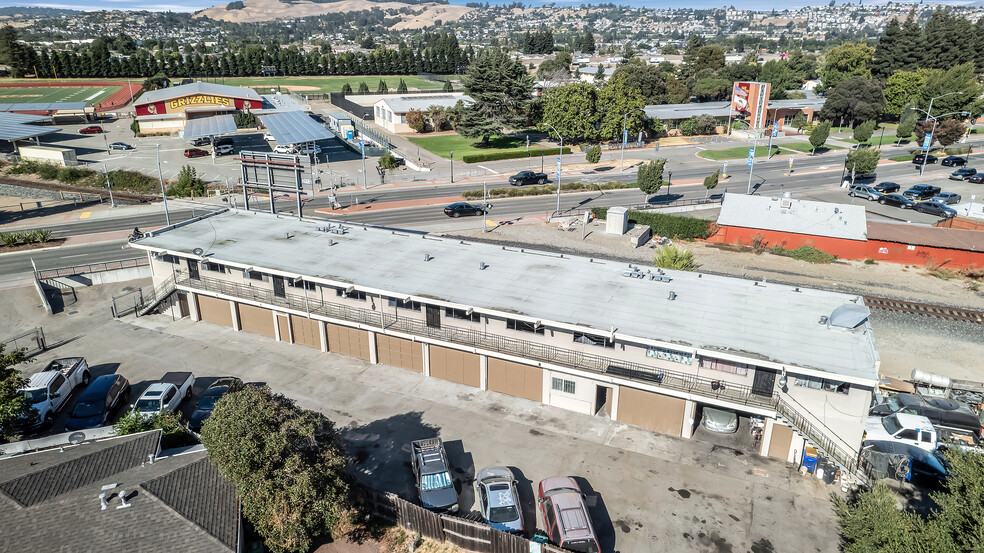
(876,139)
(738,152)
(334,83)
(445,144)
(806,147)
(907,157)
(91,95)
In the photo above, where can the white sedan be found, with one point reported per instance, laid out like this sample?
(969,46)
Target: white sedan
(269,137)
(307,150)
(283,149)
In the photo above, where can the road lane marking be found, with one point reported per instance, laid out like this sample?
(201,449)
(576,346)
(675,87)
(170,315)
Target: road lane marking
(489,170)
(76,255)
(85,215)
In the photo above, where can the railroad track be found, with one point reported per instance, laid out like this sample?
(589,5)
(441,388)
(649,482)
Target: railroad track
(929,310)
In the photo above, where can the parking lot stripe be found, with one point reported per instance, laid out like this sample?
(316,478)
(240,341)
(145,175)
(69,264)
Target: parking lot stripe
(85,215)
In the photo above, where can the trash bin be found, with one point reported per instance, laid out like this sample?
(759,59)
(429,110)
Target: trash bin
(810,457)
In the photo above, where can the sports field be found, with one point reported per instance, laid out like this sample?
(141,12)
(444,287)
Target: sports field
(90,95)
(334,83)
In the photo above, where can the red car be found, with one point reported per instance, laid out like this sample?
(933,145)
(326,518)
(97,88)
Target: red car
(94,129)
(195,152)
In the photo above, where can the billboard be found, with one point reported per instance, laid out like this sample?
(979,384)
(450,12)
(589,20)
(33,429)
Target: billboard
(739,97)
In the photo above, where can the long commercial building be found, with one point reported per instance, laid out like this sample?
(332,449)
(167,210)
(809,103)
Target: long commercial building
(649,347)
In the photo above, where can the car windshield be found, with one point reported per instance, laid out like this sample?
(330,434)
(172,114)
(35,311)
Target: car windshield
(436,481)
(503,514)
(893,404)
(208,402)
(33,397)
(891,424)
(88,408)
(148,405)
(582,546)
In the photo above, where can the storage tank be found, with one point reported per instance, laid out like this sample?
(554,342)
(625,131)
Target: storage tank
(930,379)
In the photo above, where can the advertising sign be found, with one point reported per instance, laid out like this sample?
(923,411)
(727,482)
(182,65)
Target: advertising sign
(739,97)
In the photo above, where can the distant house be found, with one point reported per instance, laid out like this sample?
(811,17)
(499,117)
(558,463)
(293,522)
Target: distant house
(390,112)
(50,499)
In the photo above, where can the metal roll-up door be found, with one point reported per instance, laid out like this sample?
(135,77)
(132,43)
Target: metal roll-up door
(348,341)
(214,310)
(515,379)
(457,366)
(306,331)
(651,411)
(257,320)
(400,352)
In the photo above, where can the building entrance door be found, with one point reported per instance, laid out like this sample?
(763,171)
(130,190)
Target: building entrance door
(603,400)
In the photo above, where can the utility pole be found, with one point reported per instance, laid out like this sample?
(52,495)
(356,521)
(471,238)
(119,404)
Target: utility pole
(560,163)
(167,217)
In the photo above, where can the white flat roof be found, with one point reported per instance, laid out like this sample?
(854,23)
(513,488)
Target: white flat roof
(765,321)
(796,216)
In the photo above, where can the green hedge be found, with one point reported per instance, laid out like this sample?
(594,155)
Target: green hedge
(673,226)
(134,180)
(516,192)
(511,154)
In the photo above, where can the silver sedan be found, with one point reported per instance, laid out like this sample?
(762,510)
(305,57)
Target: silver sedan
(498,499)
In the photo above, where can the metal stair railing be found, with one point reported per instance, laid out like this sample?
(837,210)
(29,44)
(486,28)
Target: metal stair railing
(826,442)
(157,296)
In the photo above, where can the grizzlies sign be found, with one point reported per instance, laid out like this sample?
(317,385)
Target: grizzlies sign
(201,99)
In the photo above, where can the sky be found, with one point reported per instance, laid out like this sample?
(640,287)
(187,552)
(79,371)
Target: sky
(195,5)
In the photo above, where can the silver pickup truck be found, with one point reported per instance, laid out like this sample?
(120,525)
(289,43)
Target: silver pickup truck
(47,391)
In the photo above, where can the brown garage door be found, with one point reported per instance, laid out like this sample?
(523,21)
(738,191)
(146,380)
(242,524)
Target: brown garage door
(651,411)
(399,352)
(348,341)
(256,320)
(457,366)
(516,379)
(306,331)
(214,310)
(782,436)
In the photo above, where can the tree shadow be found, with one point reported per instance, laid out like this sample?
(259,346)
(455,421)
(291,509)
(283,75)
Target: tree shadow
(463,474)
(527,500)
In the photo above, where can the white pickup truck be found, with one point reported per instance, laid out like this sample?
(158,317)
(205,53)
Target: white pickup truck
(904,428)
(165,395)
(47,392)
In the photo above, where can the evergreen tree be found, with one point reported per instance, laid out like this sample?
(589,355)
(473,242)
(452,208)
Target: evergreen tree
(448,87)
(863,132)
(887,58)
(347,88)
(501,89)
(650,176)
(819,135)
(382,86)
(402,88)
(588,43)
(363,87)
(907,125)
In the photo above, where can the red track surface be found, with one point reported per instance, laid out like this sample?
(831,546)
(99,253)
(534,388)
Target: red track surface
(117,100)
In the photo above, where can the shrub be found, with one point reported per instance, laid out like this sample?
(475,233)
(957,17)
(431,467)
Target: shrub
(515,192)
(11,238)
(593,154)
(805,253)
(48,171)
(72,175)
(416,120)
(662,224)
(387,161)
(245,120)
(870,261)
(672,257)
(174,433)
(188,184)
(510,154)
(133,180)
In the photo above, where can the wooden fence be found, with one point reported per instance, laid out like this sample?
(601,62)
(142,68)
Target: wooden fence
(466,534)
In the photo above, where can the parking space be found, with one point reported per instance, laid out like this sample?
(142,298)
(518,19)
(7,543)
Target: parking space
(741,441)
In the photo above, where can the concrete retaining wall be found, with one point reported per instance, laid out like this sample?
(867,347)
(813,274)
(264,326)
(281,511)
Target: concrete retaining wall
(106,277)
(41,194)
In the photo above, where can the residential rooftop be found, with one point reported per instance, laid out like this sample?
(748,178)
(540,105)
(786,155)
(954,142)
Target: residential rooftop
(766,321)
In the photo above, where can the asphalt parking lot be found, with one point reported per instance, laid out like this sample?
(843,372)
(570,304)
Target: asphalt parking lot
(643,488)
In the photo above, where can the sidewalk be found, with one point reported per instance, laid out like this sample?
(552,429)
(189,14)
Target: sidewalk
(104,211)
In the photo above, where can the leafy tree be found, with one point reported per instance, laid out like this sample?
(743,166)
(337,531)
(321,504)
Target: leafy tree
(156,82)
(779,75)
(500,89)
(957,523)
(593,154)
(873,523)
(367,42)
(960,78)
(863,160)
(416,120)
(448,87)
(438,116)
(711,181)
(135,127)
(615,100)
(363,87)
(13,406)
(672,257)
(819,135)
(174,433)
(387,161)
(648,79)
(572,110)
(900,89)
(854,99)
(907,125)
(947,132)
(699,124)
(711,89)
(401,88)
(845,62)
(650,176)
(454,114)
(188,184)
(888,56)
(244,120)
(864,131)
(802,66)
(676,90)
(557,68)
(286,462)
(382,88)
(669,50)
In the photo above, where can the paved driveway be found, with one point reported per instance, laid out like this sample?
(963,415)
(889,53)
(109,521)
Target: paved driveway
(646,491)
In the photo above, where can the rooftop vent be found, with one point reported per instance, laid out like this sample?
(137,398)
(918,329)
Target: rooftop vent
(427,257)
(482,266)
(123,504)
(672,296)
(786,203)
(849,315)
(823,319)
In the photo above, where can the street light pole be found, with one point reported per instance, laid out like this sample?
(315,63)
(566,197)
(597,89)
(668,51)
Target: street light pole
(929,115)
(625,118)
(560,163)
(167,217)
(452,166)
(751,167)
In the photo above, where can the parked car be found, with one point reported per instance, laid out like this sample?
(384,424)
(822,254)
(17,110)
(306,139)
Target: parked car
(200,141)
(195,152)
(940,411)
(887,187)
(498,499)
(432,473)
(308,150)
(47,391)
(721,421)
(462,208)
(224,149)
(922,192)
(98,402)
(92,129)
(864,191)
(165,395)
(963,173)
(953,161)
(947,198)
(120,146)
(211,395)
(918,159)
(908,429)
(223,141)
(565,515)
(268,136)
(865,176)
(283,149)
(528,177)
(935,208)
(896,200)
(976,179)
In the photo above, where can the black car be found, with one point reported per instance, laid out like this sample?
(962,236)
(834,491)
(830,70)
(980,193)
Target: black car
(103,396)
(223,140)
(120,146)
(941,411)
(528,177)
(896,200)
(918,159)
(921,192)
(210,397)
(963,173)
(887,187)
(953,161)
(976,179)
(202,141)
(935,208)
(461,208)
